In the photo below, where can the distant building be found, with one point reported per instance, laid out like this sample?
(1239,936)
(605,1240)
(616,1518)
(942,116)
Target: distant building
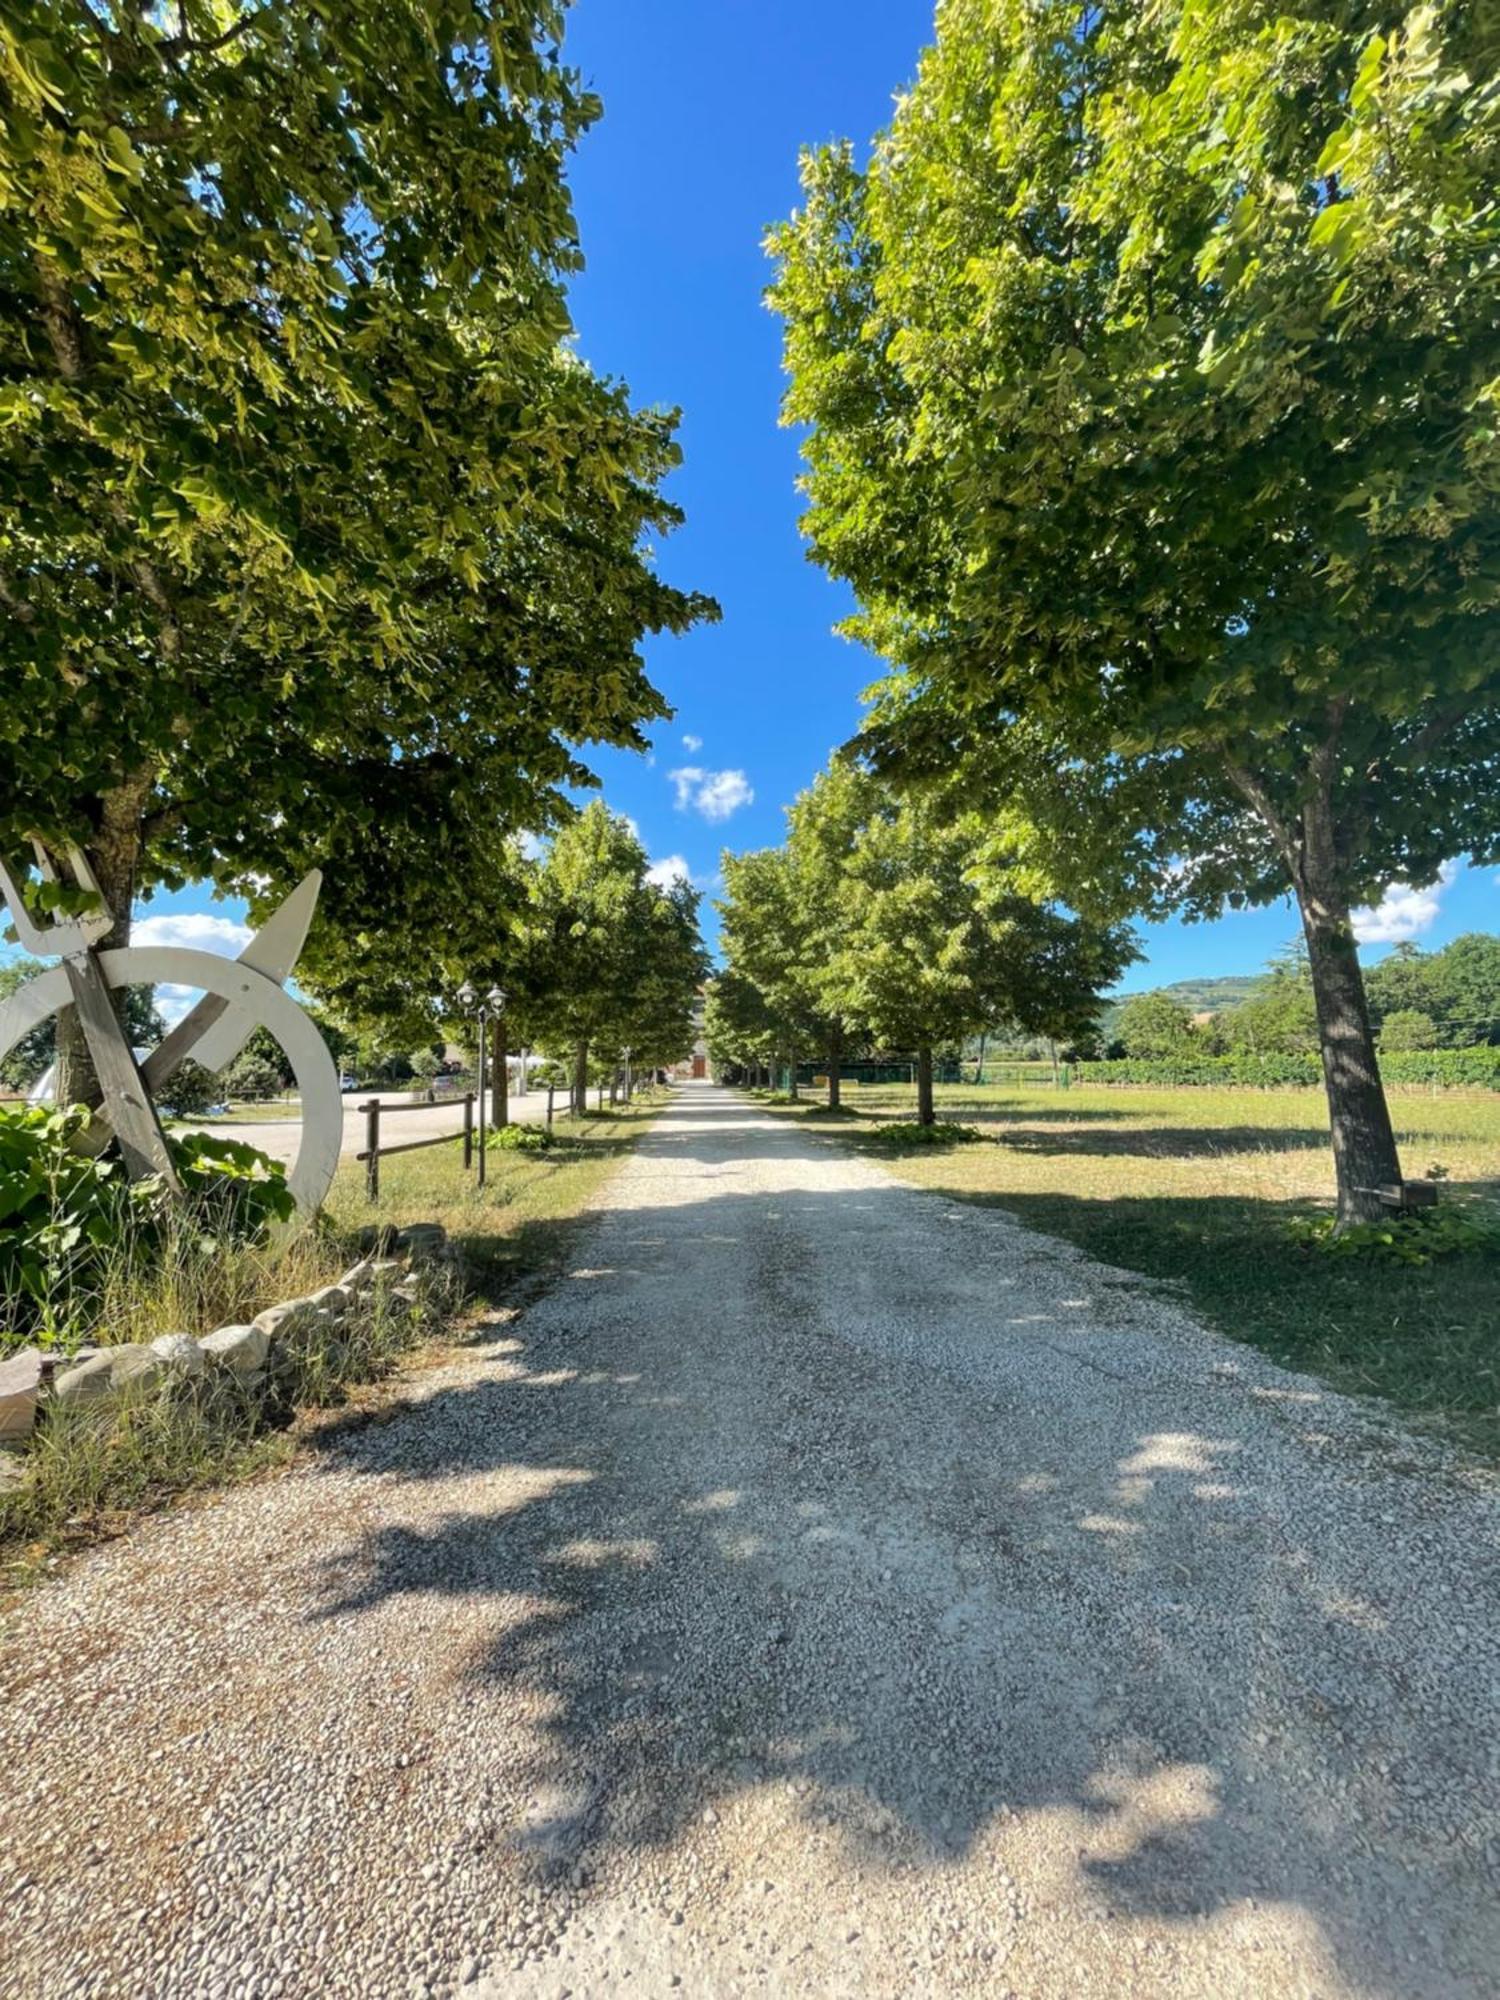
(696,1065)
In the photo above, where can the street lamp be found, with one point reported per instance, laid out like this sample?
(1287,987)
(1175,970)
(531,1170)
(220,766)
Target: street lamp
(484,1011)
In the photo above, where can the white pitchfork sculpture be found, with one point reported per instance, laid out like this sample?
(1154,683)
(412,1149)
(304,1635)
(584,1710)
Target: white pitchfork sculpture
(239,996)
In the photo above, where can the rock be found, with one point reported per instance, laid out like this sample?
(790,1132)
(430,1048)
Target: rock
(422,1239)
(378,1239)
(242,1350)
(85,1382)
(358,1276)
(180,1352)
(137,1367)
(291,1316)
(12,1471)
(308,1325)
(20,1380)
(332,1299)
(130,1366)
(385,1269)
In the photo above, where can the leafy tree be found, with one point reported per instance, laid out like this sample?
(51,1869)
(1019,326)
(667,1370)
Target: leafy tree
(938,945)
(1149,373)
(1408,1028)
(30,1057)
(609,959)
(824,826)
(194,1090)
(1468,989)
(424,1065)
(769,937)
(316,544)
(259,1071)
(1459,987)
(1154,1027)
(1279,1016)
(1405,979)
(737,1024)
(252,1079)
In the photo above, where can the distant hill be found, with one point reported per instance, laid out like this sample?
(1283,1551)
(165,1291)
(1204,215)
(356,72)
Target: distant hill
(1199,996)
(1203,996)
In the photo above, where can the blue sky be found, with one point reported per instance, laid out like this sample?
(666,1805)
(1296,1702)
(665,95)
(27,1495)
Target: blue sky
(706,104)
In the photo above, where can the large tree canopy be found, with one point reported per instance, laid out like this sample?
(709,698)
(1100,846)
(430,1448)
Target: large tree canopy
(316,545)
(1152,372)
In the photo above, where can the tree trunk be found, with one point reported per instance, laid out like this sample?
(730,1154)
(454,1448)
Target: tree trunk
(926,1114)
(114,854)
(1364,1146)
(581,1080)
(500,1082)
(835,1062)
(791,1072)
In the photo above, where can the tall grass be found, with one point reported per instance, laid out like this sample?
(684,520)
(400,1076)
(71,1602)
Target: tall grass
(92,1464)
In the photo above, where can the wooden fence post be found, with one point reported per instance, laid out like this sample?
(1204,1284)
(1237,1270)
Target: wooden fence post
(372,1148)
(550,1088)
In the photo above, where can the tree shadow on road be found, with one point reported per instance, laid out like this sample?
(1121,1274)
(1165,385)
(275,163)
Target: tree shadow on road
(735,1550)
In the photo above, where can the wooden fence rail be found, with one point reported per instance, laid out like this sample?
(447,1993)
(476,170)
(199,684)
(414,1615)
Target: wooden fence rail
(374,1152)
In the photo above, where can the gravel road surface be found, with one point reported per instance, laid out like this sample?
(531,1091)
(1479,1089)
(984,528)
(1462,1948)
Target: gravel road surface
(825,1589)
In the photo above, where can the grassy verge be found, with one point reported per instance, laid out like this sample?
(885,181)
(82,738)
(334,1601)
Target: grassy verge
(1201,1187)
(521,1221)
(91,1469)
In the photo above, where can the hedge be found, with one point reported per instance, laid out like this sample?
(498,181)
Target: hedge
(1452,1069)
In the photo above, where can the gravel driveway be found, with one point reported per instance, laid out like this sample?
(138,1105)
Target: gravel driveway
(824,1590)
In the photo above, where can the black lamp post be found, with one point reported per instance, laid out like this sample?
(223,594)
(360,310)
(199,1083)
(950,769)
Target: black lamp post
(485,1011)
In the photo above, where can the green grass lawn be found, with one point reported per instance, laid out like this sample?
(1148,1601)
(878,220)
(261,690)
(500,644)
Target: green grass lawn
(1200,1186)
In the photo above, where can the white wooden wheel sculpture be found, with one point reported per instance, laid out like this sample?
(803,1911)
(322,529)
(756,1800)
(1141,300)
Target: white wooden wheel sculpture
(240,995)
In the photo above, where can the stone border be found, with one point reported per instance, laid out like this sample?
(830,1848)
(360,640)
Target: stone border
(245,1357)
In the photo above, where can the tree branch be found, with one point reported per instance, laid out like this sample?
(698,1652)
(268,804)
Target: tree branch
(1259,799)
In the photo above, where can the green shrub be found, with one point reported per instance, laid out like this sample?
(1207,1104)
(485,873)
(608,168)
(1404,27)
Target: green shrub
(1452,1069)
(254,1079)
(67,1218)
(519,1138)
(1451,1229)
(192,1091)
(941,1133)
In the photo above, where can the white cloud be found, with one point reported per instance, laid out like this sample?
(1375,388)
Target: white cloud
(1403,912)
(198,929)
(532,845)
(692,744)
(172,1002)
(671,870)
(715,794)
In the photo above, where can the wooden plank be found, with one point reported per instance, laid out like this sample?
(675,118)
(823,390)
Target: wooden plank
(133,1115)
(411,1146)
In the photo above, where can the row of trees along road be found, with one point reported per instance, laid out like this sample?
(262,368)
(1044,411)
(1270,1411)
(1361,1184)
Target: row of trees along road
(879,921)
(593,956)
(317,545)
(1151,373)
